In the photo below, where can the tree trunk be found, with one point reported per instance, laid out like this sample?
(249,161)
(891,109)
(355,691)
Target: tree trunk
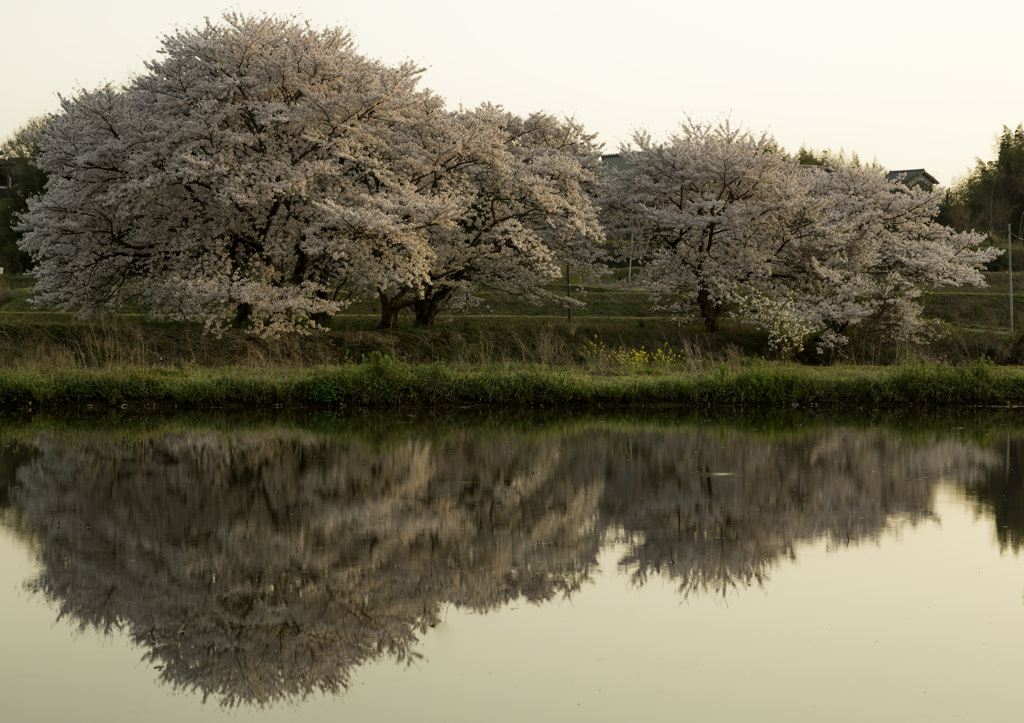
(426,311)
(242,313)
(430,306)
(389,308)
(322,318)
(709,311)
(388,317)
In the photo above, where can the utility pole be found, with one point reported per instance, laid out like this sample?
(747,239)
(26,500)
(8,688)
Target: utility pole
(629,274)
(1009,254)
(568,293)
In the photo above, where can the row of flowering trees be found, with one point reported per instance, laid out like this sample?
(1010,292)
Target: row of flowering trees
(263,172)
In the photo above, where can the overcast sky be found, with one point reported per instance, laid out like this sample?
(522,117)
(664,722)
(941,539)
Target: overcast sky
(911,83)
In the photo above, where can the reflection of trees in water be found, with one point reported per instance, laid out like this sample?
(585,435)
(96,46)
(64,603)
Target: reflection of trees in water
(1001,490)
(12,457)
(267,566)
(716,511)
(257,566)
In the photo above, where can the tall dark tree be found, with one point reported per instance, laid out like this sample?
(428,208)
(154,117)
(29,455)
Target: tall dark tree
(810,157)
(991,197)
(17,164)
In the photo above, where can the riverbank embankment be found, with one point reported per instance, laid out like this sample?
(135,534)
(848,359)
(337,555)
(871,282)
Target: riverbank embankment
(382,381)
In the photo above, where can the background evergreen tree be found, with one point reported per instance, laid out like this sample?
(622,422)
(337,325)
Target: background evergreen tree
(992,195)
(18,154)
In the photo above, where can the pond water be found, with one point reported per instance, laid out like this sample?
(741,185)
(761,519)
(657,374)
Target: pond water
(475,568)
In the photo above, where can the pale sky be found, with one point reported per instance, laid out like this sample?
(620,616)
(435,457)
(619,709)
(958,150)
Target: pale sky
(911,83)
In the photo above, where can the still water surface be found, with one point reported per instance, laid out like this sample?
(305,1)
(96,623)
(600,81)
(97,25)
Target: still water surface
(470,569)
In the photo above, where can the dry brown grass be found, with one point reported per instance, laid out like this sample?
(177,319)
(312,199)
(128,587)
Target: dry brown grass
(125,342)
(48,341)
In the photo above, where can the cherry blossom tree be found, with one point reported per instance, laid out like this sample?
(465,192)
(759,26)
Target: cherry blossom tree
(729,223)
(523,188)
(716,207)
(877,247)
(248,172)
(262,171)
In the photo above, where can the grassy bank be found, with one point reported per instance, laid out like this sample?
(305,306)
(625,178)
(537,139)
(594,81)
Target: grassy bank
(501,330)
(39,340)
(51,340)
(382,381)
(612,354)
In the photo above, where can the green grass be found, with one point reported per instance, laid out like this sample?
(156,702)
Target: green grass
(383,382)
(17,281)
(972,307)
(47,340)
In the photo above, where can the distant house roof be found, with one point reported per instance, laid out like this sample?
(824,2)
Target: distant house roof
(915,177)
(615,161)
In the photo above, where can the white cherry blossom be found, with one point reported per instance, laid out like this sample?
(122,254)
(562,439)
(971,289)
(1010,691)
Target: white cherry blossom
(730,224)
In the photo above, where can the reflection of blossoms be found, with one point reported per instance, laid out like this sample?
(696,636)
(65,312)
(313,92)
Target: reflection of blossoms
(260,567)
(714,512)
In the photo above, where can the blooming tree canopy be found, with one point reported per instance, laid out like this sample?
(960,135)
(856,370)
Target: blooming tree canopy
(716,208)
(877,246)
(730,223)
(522,188)
(245,173)
(262,171)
